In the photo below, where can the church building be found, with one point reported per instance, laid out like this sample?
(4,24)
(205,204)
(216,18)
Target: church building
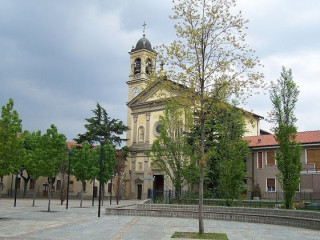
(143,112)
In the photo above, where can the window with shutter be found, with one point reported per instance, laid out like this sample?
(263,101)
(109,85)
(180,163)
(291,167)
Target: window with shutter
(313,156)
(271,158)
(271,184)
(259,160)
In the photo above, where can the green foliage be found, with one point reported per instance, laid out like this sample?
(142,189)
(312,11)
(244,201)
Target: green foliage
(170,152)
(284,96)
(101,126)
(32,145)
(11,150)
(83,162)
(257,191)
(29,167)
(225,150)
(53,152)
(108,162)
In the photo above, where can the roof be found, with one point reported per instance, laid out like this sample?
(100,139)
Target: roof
(307,137)
(143,43)
(72,144)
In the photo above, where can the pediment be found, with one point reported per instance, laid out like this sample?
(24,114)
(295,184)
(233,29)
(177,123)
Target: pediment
(154,93)
(139,181)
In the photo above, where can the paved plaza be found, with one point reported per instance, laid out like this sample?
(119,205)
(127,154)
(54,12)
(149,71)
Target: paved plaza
(27,222)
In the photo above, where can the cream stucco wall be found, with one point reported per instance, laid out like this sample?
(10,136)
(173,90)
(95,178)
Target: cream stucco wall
(252,126)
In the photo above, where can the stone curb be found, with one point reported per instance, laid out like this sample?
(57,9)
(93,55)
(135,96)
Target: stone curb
(302,219)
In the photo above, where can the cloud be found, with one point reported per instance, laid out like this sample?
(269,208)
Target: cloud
(305,71)
(58,58)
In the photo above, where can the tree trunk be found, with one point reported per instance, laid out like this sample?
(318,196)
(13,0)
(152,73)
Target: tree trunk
(201,226)
(81,196)
(25,187)
(118,188)
(50,187)
(34,193)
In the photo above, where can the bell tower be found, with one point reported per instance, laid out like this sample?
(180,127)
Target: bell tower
(142,64)
(139,135)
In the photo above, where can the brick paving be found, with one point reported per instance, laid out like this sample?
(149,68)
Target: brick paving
(27,222)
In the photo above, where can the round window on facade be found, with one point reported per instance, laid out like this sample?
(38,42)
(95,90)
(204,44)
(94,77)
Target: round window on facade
(157,128)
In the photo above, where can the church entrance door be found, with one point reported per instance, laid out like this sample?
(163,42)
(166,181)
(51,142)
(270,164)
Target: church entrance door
(139,191)
(158,186)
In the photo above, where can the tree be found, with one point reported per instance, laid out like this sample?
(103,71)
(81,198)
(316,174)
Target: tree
(210,58)
(228,150)
(27,160)
(11,149)
(171,152)
(225,150)
(53,153)
(101,126)
(284,96)
(108,163)
(83,161)
(32,160)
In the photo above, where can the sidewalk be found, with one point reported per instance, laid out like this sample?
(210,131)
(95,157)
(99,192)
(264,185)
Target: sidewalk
(27,222)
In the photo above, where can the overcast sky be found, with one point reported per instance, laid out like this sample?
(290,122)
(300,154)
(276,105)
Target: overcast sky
(58,58)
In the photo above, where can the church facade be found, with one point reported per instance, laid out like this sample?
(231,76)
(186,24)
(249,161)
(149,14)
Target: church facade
(143,112)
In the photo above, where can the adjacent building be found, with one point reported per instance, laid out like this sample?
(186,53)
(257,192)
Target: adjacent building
(262,166)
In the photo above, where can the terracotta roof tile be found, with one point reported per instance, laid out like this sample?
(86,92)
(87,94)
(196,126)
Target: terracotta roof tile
(72,144)
(269,140)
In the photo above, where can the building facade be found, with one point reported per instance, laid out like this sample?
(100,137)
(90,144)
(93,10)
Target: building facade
(262,166)
(59,190)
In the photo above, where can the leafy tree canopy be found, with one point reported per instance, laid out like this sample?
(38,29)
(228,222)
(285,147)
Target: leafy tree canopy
(101,126)
(11,150)
(284,96)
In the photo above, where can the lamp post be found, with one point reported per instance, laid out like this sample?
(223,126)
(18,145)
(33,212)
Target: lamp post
(69,153)
(15,190)
(100,179)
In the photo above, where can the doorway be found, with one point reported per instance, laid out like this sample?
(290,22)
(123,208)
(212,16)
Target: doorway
(158,186)
(95,191)
(139,192)
(45,190)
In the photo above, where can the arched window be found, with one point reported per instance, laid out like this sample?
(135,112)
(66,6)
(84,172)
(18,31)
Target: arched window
(137,66)
(141,134)
(148,66)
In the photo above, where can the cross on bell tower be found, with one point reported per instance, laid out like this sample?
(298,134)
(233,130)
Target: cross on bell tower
(144,28)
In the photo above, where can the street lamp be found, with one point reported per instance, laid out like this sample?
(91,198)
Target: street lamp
(15,190)
(102,141)
(69,153)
